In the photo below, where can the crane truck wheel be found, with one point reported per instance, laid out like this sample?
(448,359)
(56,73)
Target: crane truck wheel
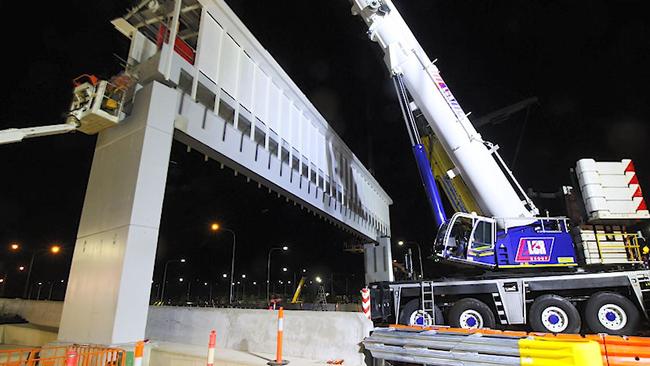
(612,313)
(412,314)
(471,313)
(554,314)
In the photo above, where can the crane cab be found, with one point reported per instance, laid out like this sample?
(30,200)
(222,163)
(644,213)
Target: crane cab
(478,240)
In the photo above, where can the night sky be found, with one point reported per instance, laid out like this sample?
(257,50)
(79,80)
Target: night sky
(586,61)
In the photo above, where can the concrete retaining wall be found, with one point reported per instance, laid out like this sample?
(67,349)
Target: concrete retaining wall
(307,334)
(315,335)
(46,313)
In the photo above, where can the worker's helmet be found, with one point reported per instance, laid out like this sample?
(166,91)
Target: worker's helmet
(646,250)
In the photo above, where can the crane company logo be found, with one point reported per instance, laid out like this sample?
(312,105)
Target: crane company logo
(534,250)
(446,93)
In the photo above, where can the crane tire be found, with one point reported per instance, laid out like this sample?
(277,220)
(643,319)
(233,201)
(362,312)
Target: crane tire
(470,313)
(554,314)
(611,313)
(411,314)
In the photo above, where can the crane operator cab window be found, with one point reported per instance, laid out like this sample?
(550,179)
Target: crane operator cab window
(482,243)
(466,238)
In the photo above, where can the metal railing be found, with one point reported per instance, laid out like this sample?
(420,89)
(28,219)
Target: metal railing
(626,241)
(80,355)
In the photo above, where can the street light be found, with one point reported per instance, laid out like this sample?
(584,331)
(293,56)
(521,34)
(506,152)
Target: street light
(14,246)
(21,268)
(402,242)
(318,279)
(164,280)
(216,227)
(268,271)
(54,249)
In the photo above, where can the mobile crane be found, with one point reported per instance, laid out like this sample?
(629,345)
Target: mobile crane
(604,276)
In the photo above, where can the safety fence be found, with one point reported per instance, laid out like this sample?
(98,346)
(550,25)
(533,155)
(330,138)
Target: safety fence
(539,348)
(75,355)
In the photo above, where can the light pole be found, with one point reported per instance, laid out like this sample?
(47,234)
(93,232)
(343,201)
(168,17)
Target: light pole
(243,288)
(268,271)
(164,280)
(402,242)
(216,227)
(54,249)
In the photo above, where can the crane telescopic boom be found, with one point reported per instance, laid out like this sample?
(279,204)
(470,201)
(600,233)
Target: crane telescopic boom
(476,161)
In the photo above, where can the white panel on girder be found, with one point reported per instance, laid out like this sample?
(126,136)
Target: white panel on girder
(274,107)
(285,117)
(306,129)
(261,94)
(246,74)
(210,40)
(354,175)
(318,152)
(294,138)
(228,66)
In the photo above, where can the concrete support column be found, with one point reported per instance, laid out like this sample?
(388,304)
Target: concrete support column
(378,260)
(110,279)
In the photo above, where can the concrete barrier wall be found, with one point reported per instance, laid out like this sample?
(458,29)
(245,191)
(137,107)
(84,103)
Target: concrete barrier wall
(314,335)
(47,313)
(27,335)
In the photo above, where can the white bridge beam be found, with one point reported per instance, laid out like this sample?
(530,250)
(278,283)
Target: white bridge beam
(239,107)
(232,101)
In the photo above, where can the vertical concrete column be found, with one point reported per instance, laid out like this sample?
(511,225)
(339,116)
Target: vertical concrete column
(110,279)
(378,260)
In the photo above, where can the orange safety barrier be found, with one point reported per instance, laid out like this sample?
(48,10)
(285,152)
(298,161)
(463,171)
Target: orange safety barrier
(71,357)
(616,350)
(74,355)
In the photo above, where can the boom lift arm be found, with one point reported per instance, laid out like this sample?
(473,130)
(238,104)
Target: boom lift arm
(96,105)
(12,135)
